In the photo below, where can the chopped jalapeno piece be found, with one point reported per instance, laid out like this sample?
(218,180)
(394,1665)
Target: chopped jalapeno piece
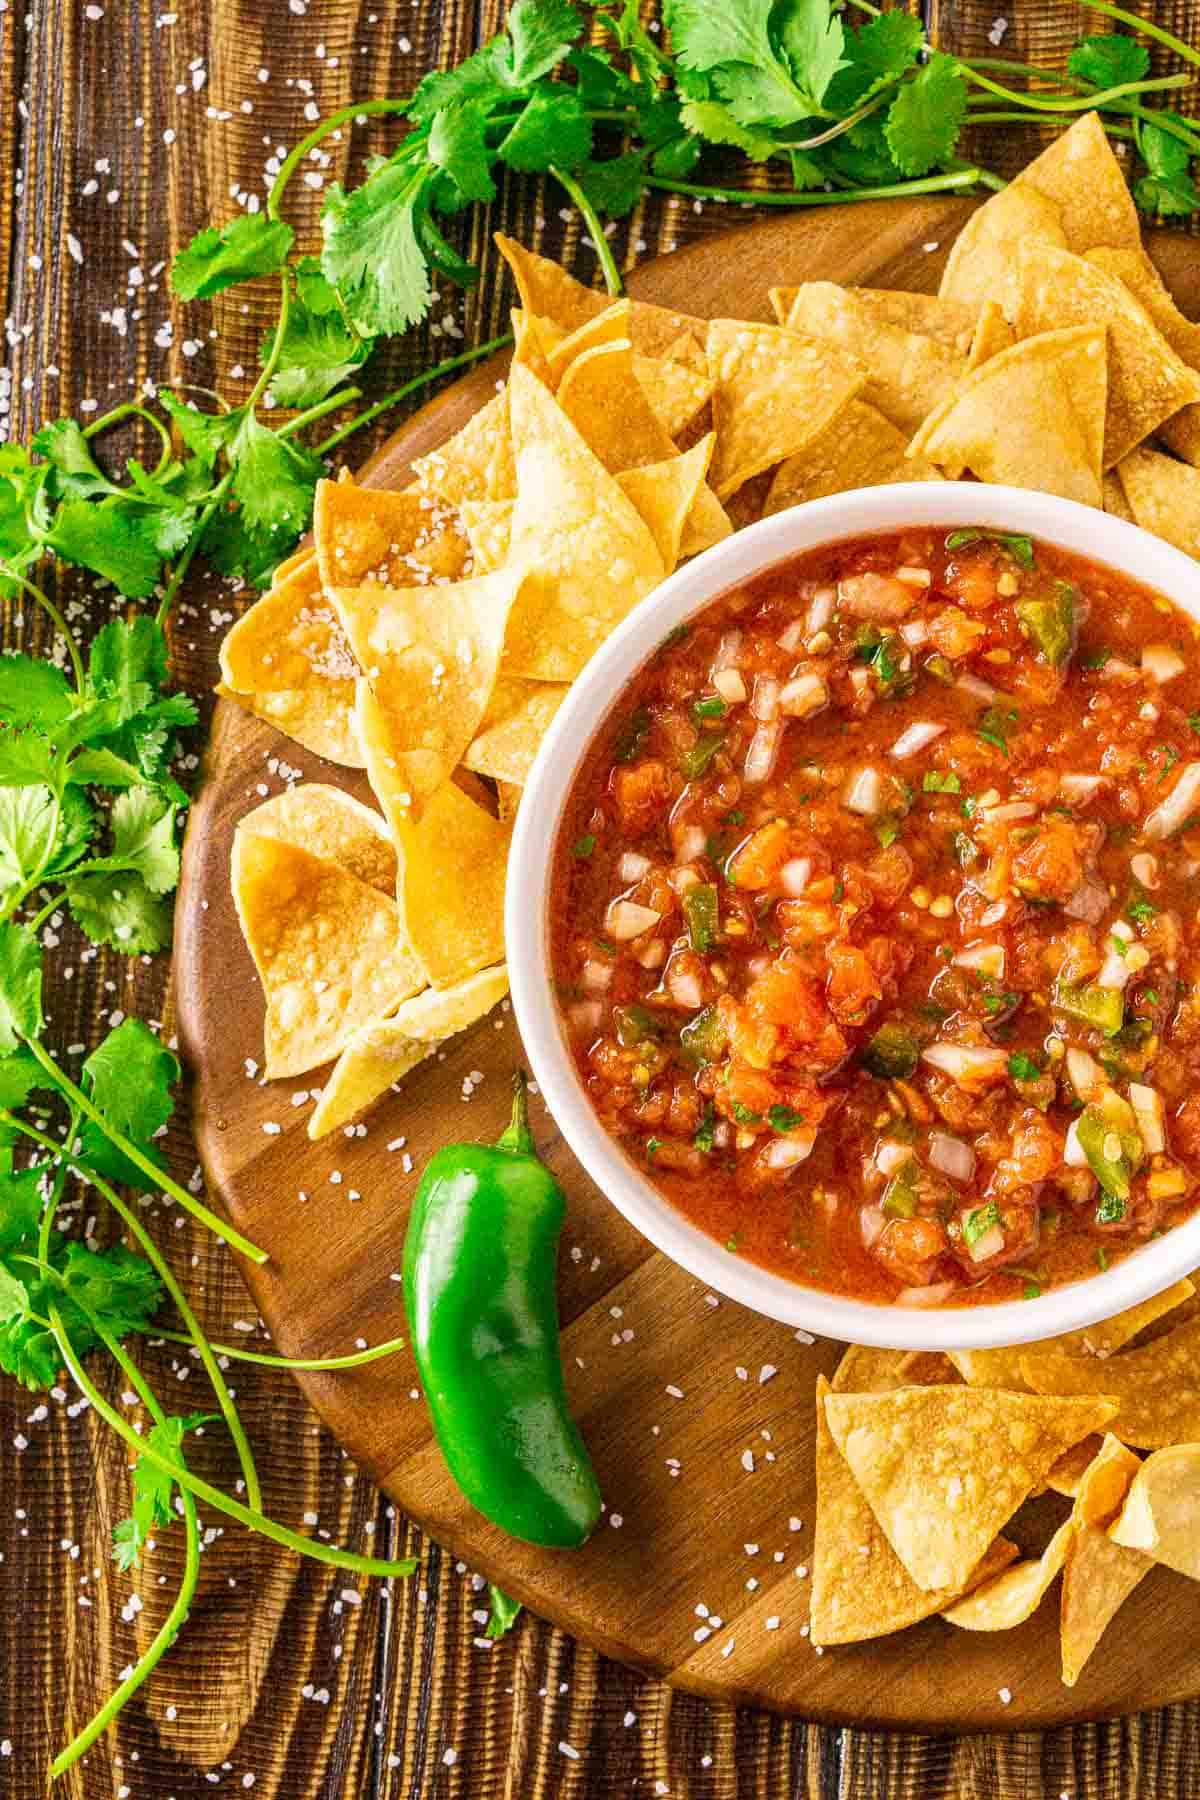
(891,1054)
(978,1221)
(1050,622)
(900,1194)
(711,707)
(703,1038)
(701,916)
(632,735)
(634,1024)
(695,761)
(1101,1008)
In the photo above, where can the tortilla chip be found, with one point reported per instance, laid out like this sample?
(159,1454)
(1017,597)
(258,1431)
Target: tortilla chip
(983,258)
(860,1588)
(1011,1598)
(508,798)
(866,1371)
(707,523)
(943,1468)
(1159,1515)
(1114,497)
(1033,417)
(1181,432)
(1082,176)
(376,1057)
(452,867)
(1068,1472)
(328,822)
(993,333)
(589,554)
(287,661)
(509,741)
(371,535)
(535,339)
(329,950)
(1163,496)
(477,462)
(858,448)
(430,655)
(675,389)
(440,1013)
(1099,1575)
(488,525)
(951,322)
(775,392)
(1156,1388)
(1147,381)
(547,289)
(603,400)
(605,327)
(666,494)
(908,372)
(1002,1368)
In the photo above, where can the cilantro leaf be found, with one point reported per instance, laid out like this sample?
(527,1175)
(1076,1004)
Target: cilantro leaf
(118,1285)
(252,244)
(109,538)
(273,480)
(20,1193)
(28,827)
(1109,60)
(372,252)
(127,660)
(26,756)
(29,1353)
(711,120)
(20,1073)
(614,186)
(553,128)
(129,1077)
(876,53)
(205,434)
(20,986)
(66,449)
(33,693)
(926,116)
(732,44)
(116,909)
(1168,188)
(458,145)
(234,549)
(504,1612)
(143,825)
(153,1488)
(813,40)
(542,31)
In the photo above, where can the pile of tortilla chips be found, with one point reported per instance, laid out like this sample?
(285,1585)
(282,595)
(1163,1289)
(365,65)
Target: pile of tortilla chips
(922,1460)
(428,636)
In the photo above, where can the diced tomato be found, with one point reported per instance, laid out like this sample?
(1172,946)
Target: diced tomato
(1050,866)
(853,986)
(641,791)
(910,1248)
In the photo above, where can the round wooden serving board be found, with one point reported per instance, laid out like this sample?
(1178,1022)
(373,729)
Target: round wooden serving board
(699,1415)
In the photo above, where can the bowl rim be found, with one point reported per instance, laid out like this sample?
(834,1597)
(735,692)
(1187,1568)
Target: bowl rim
(1101,537)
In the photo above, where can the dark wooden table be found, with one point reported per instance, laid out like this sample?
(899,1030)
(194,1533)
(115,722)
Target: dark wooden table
(125,125)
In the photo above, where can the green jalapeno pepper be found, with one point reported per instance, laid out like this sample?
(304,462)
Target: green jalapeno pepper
(479,1282)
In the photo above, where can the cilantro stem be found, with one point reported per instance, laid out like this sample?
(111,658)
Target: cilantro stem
(77,1098)
(968,176)
(410,387)
(203,1490)
(1146,27)
(1173,127)
(52,613)
(132,409)
(310,416)
(362,109)
(591,218)
(355,1360)
(185,556)
(170,1628)
(39,918)
(162,1268)
(1077,102)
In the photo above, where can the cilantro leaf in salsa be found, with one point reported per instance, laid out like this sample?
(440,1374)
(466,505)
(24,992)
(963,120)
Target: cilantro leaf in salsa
(1019,547)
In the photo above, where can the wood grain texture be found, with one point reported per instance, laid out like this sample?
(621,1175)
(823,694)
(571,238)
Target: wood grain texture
(277,1674)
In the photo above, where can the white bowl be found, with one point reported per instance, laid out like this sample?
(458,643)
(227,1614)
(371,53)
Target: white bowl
(1098,535)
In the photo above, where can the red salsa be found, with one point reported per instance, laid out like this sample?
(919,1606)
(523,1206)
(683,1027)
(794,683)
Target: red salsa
(875,918)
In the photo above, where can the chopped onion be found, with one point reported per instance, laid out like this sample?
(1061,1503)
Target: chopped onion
(1161,662)
(916,738)
(585,1016)
(764,702)
(1085,1074)
(626,919)
(1178,806)
(1009,812)
(762,751)
(786,1152)
(681,879)
(685,990)
(1089,902)
(874,596)
(969,1064)
(913,577)
(915,632)
(1114,971)
(891,1156)
(951,1156)
(1148,1111)
(995,914)
(791,639)
(803,695)
(632,866)
(595,976)
(978,690)
(1145,868)
(989,959)
(820,610)
(795,876)
(689,843)
(1074,1154)
(730,686)
(727,652)
(872,1223)
(864,792)
(1117,669)
(989,1244)
(936,1294)
(653,956)
(1080,788)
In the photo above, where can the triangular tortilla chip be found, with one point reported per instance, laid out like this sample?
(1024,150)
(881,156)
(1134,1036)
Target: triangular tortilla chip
(775,391)
(1099,1575)
(1164,497)
(430,655)
(1181,432)
(440,1013)
(1158,1515)
(676,390)
(859,448)
(287,660)
(488,525)
(1002,1368)
(908,373)
(666,494)
(1114,497)
(452,869)
(1157,1388)
(1068,1472)
(860,1588)
(1147,381)
(943,1468)
(951,322)
(509,740)
(1033,417)
(1082,176)
(1011,1598)
(548,290)
(508,799)
(993,333)
(535,339)
(605,327)
(329,950)
(477,462)
(371,535)
(590,556)
(707,523)
(983,258)
(376,1057)
(603,399)
(326,821)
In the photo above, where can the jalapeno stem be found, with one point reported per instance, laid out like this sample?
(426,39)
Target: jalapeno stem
(518,1137)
